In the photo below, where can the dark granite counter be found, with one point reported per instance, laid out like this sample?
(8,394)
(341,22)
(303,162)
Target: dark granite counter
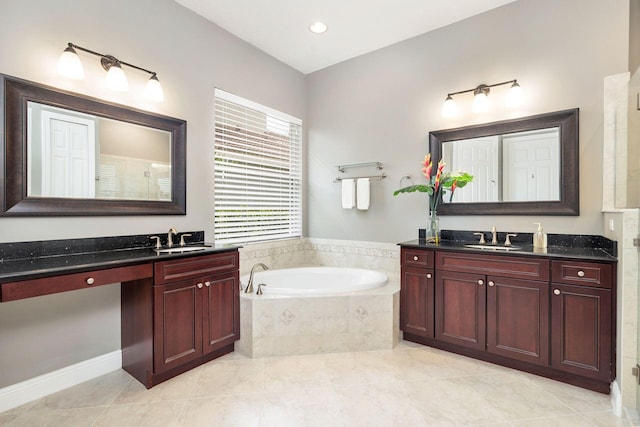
(595,248)
(31,260)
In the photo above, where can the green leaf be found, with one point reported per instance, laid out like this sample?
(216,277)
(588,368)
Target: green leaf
(413,188)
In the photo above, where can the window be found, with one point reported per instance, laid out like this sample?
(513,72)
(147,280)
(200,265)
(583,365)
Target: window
(258,172)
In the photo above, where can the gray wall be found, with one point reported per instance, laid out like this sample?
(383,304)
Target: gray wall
(381,107)
(191,57)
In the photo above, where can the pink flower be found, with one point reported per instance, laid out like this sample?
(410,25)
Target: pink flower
(427,166)
(441,166)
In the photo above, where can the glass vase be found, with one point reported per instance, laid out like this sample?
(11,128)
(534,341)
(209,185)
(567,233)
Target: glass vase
(433,227)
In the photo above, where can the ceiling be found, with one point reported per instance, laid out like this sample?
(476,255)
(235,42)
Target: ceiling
(280,27)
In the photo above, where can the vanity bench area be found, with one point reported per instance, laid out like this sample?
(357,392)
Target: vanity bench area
(178,309)
(549,312)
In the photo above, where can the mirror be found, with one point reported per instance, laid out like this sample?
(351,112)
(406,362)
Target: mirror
(67,154)
(525,166)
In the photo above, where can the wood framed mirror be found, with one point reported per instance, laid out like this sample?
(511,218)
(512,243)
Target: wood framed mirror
(65,154)
(524,166)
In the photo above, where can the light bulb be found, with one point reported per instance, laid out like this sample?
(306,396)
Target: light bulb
(116,80)
(153,90)
(449,108)
(69,64)
(318,27)
(515,97)
(480,102)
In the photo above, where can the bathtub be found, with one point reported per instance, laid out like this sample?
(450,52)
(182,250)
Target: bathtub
(309,310)
(315,280)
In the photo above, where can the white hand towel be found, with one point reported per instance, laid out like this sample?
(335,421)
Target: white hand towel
(348,193)
(362,193)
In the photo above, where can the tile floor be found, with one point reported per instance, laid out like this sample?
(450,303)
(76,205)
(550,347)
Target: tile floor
(408,386)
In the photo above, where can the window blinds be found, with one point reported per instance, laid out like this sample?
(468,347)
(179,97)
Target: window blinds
(258,172)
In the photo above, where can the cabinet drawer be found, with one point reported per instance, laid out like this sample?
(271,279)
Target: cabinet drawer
(70,282)
(505,266)
(582,273)
(196,266)
(417,258)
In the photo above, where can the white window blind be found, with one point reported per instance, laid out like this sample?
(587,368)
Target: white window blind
(258,172)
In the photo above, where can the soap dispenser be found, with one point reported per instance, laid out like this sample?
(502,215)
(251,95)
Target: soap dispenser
(539,238)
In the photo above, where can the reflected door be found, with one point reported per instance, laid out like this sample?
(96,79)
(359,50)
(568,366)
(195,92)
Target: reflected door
(531,165)
(479,157)
(68,156)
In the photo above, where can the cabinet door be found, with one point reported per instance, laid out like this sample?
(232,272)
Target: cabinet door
(177,324)
(416,302)
(460,309)
(581,335)
(518,319)
(221,311)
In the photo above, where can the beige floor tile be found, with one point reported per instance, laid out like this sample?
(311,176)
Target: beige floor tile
(154,414)
(450,401)
(516,398)
(177,388)
(100,391)
(577,398)
(409,386)
(228,411)
(606,419)
(83,417)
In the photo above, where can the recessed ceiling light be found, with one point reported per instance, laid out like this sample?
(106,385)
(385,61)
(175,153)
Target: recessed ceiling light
(318,27)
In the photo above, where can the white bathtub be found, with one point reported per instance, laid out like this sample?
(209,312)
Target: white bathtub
(315,280)
(308,310)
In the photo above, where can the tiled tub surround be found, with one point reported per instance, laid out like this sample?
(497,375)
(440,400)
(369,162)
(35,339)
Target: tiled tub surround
(277,325)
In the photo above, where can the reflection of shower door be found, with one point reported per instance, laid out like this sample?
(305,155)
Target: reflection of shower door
(68,156)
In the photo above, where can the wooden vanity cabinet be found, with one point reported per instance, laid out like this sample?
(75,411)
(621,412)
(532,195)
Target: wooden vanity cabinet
(582,319)
(189,316)
(491,303)
(549,316)
(417,292)
(194,318)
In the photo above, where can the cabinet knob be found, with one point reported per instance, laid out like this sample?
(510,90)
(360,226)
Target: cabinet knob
(580,273)
(480,282)
(491,283)
(90,281)
(199,285)
(428,275)
(207,284)
(415,257)
(556,291)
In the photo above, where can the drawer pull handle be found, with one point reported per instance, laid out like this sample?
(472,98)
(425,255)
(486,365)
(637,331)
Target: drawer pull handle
(556,291)
(428,275)
(580,273)
(207,284)
(199,285)
(90,281)
(415,257)
(480,282)
(491,283)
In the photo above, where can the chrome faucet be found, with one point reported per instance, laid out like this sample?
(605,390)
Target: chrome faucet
(494,239)
(172,232)
(249,289)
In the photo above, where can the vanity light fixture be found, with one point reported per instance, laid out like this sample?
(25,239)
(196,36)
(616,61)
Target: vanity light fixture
(69,65)
(480,104)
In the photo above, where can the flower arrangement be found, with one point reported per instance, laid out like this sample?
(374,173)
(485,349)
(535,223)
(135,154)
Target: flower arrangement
(439,184)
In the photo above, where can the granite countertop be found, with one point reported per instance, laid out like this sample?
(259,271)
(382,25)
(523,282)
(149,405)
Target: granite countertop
(31,260)
(595,248)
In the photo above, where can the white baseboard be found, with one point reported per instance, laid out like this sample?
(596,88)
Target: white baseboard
(35,388)
(616,398)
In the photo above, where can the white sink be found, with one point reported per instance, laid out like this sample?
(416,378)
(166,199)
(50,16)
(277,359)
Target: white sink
(493,247)
(179,249)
